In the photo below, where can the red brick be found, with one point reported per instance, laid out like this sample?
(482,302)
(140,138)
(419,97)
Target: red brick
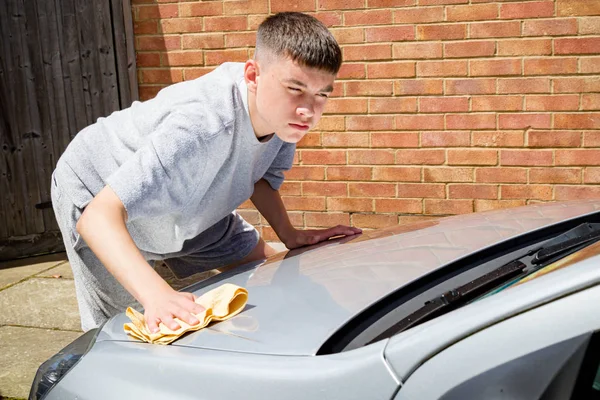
(495,67)
(422,190)
(470,86)
(550,27)
(434,2)
(370,123)
(324,189)
(589,26)
(417,50)
(477,12)
(578,157)
(394,139)
(470,191)
(158,43)
(587,120)
(390,33)
(331,123)
(352,71)
(317,157)
(291,189)
(349,204)
(292,5)
(577,7)
(392,105)
(235,23)
(420,157)
(451,174)
(553,139)
(443,104)
(251,216)
(255,20)
(320,220)
(472,157)
(391,70)
(374,221)
(338,90)
(203,41)
(471,121)
(576,193)
(369,157)
(590,101)
(526,157)
(478,48)
(293,203)
(157,11)
(555,175)
(349,173)
(342,139)
(181,58)
(302,173)
(524,121)
(497,103)
(444,207)
(369,17)
(552,103)
(193,73)
(346,106)
(397,174)
(535,9)
(424,122)
(501,175)
(311,139)
(403,87)
(408,206)
(577,46)
(217,57)
(147,59)
(442,68)
(576,85)
(525,47)
(590,175)
(340,4)
(243,39)
(161,75)
(200,9)
(488,205)
(498,139)
(367,52)
(591,139)
(550,66)
(445,139)
(495,29)
(348,35)
(180,25)
(523,85)
(418,14)
(369,88)
(442,32)
(145,27)
(329,19)
(149,92)
(372,189)
(390,3)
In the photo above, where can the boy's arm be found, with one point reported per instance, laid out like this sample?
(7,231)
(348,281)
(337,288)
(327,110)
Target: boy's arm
(269,204)
(102,226)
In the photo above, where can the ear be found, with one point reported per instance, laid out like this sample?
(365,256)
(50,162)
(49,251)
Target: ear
(251,75)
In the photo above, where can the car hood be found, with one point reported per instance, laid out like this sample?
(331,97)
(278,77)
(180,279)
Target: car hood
(298,299)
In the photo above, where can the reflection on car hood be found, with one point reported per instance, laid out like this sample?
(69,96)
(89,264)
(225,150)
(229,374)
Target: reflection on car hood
(299,298)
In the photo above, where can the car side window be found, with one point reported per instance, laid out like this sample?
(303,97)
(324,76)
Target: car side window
(587,385)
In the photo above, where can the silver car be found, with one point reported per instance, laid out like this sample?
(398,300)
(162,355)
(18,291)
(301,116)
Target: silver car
(495,305)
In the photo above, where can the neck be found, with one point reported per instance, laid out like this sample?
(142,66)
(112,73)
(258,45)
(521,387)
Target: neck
(260,130)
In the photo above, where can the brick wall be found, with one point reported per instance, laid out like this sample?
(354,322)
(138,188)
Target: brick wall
(442,106)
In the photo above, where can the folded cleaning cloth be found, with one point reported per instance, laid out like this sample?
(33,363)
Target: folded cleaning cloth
(219,304)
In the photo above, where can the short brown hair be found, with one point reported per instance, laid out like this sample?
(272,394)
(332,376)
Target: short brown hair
(300,37)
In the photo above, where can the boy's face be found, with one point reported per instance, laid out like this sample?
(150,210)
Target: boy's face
(286,98)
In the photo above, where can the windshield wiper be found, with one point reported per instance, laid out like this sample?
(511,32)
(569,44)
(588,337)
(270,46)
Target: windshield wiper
(584,234)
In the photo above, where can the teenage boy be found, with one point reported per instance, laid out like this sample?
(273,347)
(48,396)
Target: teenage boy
(162,179)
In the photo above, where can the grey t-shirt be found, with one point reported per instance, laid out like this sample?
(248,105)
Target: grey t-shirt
(179,162)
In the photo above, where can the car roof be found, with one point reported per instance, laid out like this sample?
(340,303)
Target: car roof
(298,299)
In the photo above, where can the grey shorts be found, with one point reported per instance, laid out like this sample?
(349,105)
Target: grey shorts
(100,295)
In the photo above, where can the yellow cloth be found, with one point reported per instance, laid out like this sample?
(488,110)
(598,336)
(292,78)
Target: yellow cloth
(219,304)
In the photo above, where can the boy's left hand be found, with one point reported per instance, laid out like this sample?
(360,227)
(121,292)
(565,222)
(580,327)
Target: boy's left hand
(306,237)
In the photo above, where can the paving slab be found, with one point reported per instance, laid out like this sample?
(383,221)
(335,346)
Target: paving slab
(22,351)
(40,302)
(11,275)
(63,270)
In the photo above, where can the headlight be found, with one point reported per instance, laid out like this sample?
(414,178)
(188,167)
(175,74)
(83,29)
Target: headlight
(52,371)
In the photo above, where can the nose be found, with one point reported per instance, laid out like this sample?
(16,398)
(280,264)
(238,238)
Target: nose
(305,110)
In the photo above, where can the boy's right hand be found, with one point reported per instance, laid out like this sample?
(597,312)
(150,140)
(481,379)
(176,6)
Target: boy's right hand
(170,304)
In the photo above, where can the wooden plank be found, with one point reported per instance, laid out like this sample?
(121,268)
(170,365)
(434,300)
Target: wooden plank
(5,139)
(118,24)
(131,64)
(106,57)
(47,242)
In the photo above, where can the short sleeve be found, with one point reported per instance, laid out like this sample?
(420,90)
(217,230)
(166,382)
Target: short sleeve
(163,174)
(282,162)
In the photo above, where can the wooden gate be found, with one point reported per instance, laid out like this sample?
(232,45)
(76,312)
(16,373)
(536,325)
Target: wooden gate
(63,64)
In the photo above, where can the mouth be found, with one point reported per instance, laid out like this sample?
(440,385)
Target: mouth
(300,127)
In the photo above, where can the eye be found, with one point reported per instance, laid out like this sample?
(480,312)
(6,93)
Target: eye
(325,95)
(293,89)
